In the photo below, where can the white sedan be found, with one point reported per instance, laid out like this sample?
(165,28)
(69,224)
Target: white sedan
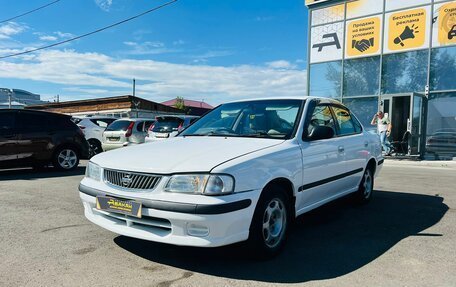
(244,171)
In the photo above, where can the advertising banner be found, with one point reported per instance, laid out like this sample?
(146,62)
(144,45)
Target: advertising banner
(328,15)
(362,8)
(444,24)
(326,42)
(407,30)
(399,4)
(363,37)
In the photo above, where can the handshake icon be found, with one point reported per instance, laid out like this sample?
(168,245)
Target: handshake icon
(362,45)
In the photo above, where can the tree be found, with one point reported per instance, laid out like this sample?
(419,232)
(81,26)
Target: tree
(180,104)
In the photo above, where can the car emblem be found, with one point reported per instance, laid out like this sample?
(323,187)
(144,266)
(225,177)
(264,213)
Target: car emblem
(126,179)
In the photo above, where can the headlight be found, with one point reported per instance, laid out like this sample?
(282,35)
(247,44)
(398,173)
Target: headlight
(201,184)
(93,171)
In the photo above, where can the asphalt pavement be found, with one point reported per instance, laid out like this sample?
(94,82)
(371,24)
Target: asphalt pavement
(405,237)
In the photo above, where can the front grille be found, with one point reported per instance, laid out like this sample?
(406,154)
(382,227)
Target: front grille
(131,180)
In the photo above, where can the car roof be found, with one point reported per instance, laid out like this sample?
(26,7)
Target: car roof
(36,112)
(302,98)
(135,119)
(177,116)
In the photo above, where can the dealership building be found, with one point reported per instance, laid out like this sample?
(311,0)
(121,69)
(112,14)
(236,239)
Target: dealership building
(394,56)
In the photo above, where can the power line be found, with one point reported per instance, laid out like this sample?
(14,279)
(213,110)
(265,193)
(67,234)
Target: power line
(29,12)
(91,33)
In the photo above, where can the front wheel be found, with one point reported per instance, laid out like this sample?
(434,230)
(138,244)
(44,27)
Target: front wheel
(269,227)
(366,187)
(66,158)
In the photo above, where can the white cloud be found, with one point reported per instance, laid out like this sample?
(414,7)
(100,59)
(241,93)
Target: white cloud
(147,48)
(48,38)
(11,28)
(104,5)
(281,64)
(155,80)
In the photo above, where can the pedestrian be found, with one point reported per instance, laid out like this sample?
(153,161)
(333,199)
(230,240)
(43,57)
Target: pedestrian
(383,129)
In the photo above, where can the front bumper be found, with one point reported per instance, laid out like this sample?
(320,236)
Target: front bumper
(185,224)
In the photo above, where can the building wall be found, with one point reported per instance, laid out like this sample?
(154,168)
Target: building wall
(361,51)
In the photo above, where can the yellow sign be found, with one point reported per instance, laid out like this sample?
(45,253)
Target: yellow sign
(363,37)
(447,24)
(407,29)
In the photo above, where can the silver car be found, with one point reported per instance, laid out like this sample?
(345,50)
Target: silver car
(124,132)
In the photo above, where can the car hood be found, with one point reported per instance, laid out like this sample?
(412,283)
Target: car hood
(189,154)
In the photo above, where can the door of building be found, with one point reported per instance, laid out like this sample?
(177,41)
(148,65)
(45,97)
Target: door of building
(406,113)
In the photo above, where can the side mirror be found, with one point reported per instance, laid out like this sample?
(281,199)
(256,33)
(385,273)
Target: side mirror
(321,133)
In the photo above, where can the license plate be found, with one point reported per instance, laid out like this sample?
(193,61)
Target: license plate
(114,139)
(115,205)
(165,135)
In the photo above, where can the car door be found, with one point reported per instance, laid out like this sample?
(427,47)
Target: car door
(323,162)
(8,138)
(35,133)
(354,145)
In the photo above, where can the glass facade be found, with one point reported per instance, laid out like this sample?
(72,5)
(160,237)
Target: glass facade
(358,79)
(416,84)
(326,79)
(443,69)
(404,72)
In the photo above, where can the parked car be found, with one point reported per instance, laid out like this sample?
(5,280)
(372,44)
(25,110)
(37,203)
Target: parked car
(247,177)
(36,138)
(93,128)
(124,132)
(169,126)
(442,142)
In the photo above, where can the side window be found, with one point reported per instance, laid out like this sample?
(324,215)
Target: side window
(358,126)
(34,122)
(102,123)
(7,123)
(321,116)
(344,121)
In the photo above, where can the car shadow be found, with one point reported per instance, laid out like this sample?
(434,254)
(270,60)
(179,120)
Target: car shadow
(326,243)
(32,174)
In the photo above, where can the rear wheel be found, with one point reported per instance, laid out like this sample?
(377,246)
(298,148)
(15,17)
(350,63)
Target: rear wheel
(66,158)
(269,227)
(366,187)
(95,147)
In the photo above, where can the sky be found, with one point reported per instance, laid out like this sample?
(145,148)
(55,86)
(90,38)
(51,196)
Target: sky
(208,50)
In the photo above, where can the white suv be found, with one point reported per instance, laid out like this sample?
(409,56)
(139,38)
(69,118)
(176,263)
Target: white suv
(93,128)
(242,172)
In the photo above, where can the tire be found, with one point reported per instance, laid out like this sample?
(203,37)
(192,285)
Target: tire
(366,187)
(95,147)
(270,223)
(66,158)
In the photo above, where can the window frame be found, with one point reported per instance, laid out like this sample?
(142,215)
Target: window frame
(338,134)
(314,104)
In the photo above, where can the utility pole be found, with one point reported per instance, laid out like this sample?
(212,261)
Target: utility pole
(10,95)
(134,87)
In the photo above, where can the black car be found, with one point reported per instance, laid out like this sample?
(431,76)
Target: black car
(36,138)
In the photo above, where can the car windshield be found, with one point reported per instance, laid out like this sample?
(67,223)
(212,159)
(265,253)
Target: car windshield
(121,125)
(263,119)
(167,124)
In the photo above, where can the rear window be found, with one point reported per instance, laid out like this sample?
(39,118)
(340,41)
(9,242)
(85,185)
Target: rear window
(118,126)
(167,124)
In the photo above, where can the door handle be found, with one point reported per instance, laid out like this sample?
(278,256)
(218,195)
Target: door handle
(341,149)
(366,144)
